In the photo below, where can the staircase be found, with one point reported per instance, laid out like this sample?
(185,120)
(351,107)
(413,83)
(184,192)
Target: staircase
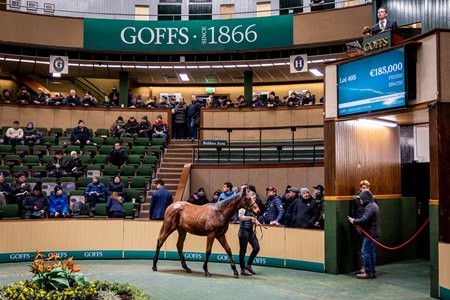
(176,156)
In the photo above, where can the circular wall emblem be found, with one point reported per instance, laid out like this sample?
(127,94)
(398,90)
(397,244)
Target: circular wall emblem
(299,63)
(58,64)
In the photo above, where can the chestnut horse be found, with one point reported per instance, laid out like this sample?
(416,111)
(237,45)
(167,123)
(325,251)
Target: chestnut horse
(210,220)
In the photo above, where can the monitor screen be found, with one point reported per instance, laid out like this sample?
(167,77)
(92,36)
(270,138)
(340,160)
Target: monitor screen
(372,83)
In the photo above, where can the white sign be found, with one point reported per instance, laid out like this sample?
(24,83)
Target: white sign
(299,63)
(59,64)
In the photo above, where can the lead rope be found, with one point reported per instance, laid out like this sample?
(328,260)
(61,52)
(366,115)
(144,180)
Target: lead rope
(260,229)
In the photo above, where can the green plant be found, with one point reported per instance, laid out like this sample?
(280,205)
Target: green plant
(122,288)
(108,295)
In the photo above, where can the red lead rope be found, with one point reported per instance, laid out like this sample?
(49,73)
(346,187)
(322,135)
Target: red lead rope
(398,247)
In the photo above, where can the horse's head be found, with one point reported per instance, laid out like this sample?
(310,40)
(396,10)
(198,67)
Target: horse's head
(250,201)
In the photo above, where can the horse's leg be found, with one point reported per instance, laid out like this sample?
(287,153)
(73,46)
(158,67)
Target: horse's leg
(181,238)
(166,230)
(223,241)
(209,243)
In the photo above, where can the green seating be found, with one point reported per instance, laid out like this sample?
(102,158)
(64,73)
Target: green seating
(150,160)
(5,150)
(86,159)
(90,150)
(134,160)
(158,142)
(127,171)
(46,159)
(111,171)
(53,149)
(56,131)
(102,132)
(135,194)
(68,131)
(142,142)
(127,141)
(130,211)
(100,159)
(31,160)
(75,148)
(39,171)
(145,170)
(64,141)
(139,182)
(49,179)
(12,160)
(72,200)
(83,182)
(42,130)
(105,149)
(5,170)
(10,212)
(76,193)
(139,150)
(20,169)
(100,210)
(111,140)
(49,140)
(22,150)
(98,140)
(39,150)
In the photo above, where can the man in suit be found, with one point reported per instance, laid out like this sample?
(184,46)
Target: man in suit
(383,23)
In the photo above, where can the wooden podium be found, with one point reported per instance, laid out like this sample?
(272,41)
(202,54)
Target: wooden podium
(381,41)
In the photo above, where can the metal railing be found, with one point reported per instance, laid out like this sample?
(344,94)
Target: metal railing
(261,151)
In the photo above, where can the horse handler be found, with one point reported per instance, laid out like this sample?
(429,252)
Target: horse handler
(247,235)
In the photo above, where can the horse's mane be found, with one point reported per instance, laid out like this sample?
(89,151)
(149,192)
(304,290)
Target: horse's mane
(221,205)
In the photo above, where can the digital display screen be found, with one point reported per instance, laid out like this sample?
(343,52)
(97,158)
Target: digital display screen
(373,83)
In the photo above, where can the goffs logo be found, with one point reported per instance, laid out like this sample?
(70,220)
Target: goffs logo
(19,256)
(192,256)
(222,257)
(93,254)
(58,64)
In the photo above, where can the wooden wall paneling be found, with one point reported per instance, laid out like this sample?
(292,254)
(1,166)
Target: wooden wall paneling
(330,157)
(141,235)
(77,115)
(9,114)
(96,119)
(314,133)
(47,118)
(283,117)
(273,244)
(444,265)
(305,245)
(202,179)
(315,176)
(444,70)
(315,117)
(239,176)
(260,178)
(27,114)
(63,118)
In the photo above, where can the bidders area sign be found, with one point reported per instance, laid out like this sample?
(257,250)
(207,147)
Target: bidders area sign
(188,36)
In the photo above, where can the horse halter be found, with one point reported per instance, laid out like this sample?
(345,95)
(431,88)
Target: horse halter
(249,206)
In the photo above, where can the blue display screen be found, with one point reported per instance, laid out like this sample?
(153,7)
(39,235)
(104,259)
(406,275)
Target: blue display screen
(372,83)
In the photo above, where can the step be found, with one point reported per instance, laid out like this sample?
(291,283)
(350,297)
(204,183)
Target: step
(177,159)
(177,165)
(170,180)
(181,150)
(178,155)
(169,175)
(143,215)
(149,194)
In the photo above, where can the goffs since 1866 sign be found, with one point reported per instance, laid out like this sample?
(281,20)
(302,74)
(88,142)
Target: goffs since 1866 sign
(189,36)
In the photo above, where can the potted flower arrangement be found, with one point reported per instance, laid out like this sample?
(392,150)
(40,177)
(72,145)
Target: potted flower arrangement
(55,279)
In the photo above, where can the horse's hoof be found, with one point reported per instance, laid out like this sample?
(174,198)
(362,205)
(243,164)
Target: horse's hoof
(236,275)
(155,268)
(207,274)
(188,270)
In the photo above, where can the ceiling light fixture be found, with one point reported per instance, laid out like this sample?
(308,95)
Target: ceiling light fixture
(378,122)
(316,72)
(184,77)
(56,75)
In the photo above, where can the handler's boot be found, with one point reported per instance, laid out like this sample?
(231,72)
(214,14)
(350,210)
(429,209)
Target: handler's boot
(249,268)
(245,272)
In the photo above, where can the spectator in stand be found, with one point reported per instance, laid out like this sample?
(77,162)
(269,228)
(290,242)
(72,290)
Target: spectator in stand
(23,97)
(162,103)
(131,128)
(215,197)
(370,223)
(180,119)
(117,156)
(227,191)
(5,190)
(57,165)
(161,199)
(32,136)
(193,113)
(160,128)
(114,96)
(290,204)
(256,102)
(20,190)
(116,186)
(95,192)
(145,127)
(173,101)
(88,100)
(306,213)
(293,100)
(73,99)
(308,99)
(227,103)
(118,128)
(152,102)
(74,165)
(270,102)
(108,103)
(14,134)
(199,198)
(57,100)
(241,102)
(6,97)
(274,211)
(209,102)
(58,204)
(138,102)
(114,206)
(318,196)
(35,205)
(39,97)
(81,135)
